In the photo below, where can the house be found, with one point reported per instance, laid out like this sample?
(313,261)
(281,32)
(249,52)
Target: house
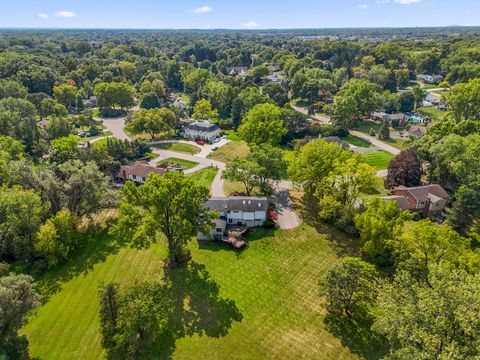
(238,71)
(430,79)
(383,116)
(138,172)
(429,200)
(335,139)
(236,211)
(274,79)
(179,103)
(417,131)
(90,103)
(203,130)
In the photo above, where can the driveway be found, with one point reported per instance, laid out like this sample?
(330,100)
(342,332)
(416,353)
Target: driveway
(205,150)
(116,125)
(287,216)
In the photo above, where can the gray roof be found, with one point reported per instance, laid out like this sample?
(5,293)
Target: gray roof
(336,139)
(204,126)
(402,201)
(238,203)
(421,193)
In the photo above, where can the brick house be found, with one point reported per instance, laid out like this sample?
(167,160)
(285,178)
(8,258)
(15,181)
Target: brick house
(138,172)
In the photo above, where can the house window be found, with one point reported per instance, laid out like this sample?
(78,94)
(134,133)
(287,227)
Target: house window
(230,221)
(259,204)
(134,177)
(219,230)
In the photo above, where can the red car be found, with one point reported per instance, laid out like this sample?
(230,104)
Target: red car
(200,142)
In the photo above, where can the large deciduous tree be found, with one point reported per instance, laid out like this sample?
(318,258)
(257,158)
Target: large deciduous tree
(405,169)
(152,121)
(262,125)
(114,94)
(169,206)
(350,287)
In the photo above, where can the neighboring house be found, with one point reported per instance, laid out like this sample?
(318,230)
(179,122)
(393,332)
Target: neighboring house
(238,71)
(138,172)
(335,139)
(232,211)
(91,102)
(179,103)
(430,79)
(202,129)
(417,131)
(429,200)
(383,116)
(274,79)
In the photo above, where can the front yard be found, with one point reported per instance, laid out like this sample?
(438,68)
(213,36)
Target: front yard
(179,147)
(229,151)
(378,159)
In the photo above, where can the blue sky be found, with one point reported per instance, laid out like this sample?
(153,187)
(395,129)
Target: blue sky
(238,14)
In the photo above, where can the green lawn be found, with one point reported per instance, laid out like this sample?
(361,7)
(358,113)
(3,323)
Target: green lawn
(432,112)
(103,142)
(229,151)
(232,135)
(378,159)
(354,140)
(184,163)
(259,303)
(204,177)
(179,147)
(365,126)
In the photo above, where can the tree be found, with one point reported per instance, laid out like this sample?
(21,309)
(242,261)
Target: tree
(464,216)
(264,165)
(131,318)
(431,321)
(64,148)
(58,127)
(114,94)
(407,101)
(21,214)
(384,131)
(65,95)
(293,121)
(13,89)
(464,100)
(49,107)
(418,95)
(262,125)
(404,170)
(356,98)
(81,188)
(150,101)
(153,122)
(424,243)
(257,73)
(203,110)
(57,237)
(350,287)
(17,298)
(10,150)
(168,206)
(378,225)
(18,119)
(277,93)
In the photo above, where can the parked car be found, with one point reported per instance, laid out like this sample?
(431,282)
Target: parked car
(215,148)
(216,140)
(200,142)
(81,134)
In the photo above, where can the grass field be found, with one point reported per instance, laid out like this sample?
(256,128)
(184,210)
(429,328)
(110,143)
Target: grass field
(232,135)
(103,142)
(229,151)
(433,112)
(365,126)
(184,163)
(260,303)
(204,177)
(179,147)
(354,140)
(378,159)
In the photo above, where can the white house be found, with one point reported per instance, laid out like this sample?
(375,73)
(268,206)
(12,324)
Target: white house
(242,210)
(203,130)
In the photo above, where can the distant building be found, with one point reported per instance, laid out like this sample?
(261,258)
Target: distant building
(203,130)
(335,139)
(233,211)
(383,116)
(138,172)
(274,79)
(430,79)
(417,131)
(238,71)
(429,200)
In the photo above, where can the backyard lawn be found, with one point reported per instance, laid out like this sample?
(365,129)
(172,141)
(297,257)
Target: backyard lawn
(378,159)
(229,151)
(365,126)
(232,135)
(432,111)
(179,147)
(259,303)
(184,163)
(204,177)
(356,141)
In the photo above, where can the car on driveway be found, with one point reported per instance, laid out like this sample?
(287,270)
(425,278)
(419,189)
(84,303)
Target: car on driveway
(216,140)
(200,142)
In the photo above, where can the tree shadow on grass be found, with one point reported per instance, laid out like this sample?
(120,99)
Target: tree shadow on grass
(196,308)
(95,247)
(343,244)
(356,335)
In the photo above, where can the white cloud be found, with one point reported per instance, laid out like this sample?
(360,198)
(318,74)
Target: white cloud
(65,14)
(250,25)
(202,10)
(407,2)
(363,6)
(42,16)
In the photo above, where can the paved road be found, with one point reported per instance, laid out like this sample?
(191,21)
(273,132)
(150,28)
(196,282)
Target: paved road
(378,143)
(217,184)
(116,125)
(205,150)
